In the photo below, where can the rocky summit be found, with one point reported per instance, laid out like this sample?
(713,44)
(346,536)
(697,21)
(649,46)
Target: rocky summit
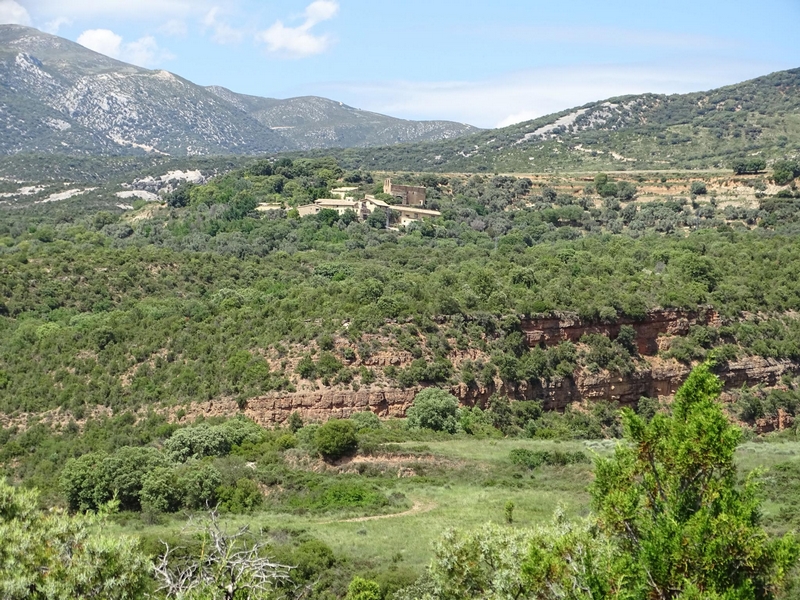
(59,97)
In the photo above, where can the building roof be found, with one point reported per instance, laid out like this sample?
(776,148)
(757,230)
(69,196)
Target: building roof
(264,207)
(376,202)
(417,211)
(335,202)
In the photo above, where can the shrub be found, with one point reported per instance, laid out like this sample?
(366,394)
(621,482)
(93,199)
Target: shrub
(200,486)
(295,422)
(161,491)
(285,442)
(197,442)
(52,555)
(366,420)
(244,496)
(475,421)
(363,589)
(335,438)
(532,459)
(698,188)
(434,409)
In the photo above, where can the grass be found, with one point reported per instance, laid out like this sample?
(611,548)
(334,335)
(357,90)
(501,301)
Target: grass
(464,483)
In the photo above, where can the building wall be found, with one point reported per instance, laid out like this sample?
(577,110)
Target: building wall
(410,195)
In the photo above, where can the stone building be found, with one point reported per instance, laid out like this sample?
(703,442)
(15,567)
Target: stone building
(409,195)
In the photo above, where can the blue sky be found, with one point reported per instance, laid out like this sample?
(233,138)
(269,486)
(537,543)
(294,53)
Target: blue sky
(485,63)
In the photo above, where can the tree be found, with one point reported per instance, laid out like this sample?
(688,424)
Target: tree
(698,188)
(363,589)
(95,478)
(784,171)
(335,438)
(671,503)
(434,409)
(50,555)
(671,522)
(180,196)
(230,566)
(377,219)
(161,490)
(749,166)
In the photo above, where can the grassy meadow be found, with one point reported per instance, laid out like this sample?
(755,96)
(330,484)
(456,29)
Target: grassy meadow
(462,483)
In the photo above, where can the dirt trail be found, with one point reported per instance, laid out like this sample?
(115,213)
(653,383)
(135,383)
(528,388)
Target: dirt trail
(418,508)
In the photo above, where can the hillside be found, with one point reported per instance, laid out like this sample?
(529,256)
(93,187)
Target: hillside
(59,97)
(182,352)
(687,131)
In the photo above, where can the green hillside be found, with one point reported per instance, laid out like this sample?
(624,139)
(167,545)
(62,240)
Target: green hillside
(703,130)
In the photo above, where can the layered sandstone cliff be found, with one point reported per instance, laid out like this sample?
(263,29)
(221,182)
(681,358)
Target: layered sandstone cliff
(654,376)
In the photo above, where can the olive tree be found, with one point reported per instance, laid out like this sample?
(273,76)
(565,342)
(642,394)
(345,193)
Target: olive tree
(434,409)
(50,555)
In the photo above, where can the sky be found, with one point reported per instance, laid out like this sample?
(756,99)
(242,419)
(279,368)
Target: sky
(489,64)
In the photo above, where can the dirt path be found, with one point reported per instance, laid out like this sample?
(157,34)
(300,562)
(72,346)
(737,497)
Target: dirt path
(419,507)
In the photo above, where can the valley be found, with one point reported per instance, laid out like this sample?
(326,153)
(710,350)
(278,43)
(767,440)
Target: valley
(395,352)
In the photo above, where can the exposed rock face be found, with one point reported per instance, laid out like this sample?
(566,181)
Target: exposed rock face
(552,330)
(59,97)
(654,377)
(660,380)
(316,406)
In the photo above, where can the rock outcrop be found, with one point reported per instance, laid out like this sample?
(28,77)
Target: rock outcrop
(660,379)
(554,329)
(654,376)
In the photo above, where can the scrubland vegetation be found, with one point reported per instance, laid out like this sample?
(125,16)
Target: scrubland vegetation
(114,325)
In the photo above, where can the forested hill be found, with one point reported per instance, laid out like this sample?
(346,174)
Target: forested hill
(59,97)
(700,130)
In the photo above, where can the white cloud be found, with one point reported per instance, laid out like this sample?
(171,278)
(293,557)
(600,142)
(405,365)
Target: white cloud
(127,9)
(527,95)
(321,10)
(12,12)
(222,33)
(103,41)
(596,35)
(174,28)
(300,42)
(56,24)
(144,52)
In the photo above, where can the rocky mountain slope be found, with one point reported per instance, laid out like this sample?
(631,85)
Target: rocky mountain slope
(760,117)
(59,97)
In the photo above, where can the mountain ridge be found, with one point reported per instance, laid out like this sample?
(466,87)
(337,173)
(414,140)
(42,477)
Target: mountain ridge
(59,97)
(698,130)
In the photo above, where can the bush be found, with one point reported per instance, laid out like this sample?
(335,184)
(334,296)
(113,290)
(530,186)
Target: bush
(366,420)
(161,491)
(363,589)
(433,409)
(475,421)
(335,438)
(200,487)
(48,554)
(532,459)
(197,442)
(698,188)
(242,497)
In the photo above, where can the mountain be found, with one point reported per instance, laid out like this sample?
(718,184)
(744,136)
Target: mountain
(59,97)
(701,130)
